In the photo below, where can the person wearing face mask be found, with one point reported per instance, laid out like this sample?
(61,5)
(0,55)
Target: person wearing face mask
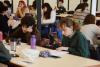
(75,41)
(48,19)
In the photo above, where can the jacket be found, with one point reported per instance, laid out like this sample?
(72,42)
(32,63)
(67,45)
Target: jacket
(78,44)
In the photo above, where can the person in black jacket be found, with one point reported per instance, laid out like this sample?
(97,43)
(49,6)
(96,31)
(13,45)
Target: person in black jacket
(25,29)
(3,20)
(60,8)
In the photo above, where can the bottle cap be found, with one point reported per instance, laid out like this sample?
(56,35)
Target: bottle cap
(33,35)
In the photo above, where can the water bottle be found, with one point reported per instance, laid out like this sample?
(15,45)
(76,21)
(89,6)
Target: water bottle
(1,36)
(33,42)
(13,47)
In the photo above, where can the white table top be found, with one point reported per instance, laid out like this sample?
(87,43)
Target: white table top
(97,18)
(65,61)
(64,15)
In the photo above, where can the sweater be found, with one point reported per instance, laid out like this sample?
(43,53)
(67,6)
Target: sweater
(78,44)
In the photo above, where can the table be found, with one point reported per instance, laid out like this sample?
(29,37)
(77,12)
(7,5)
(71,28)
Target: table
(66,61)
(97,18)
(64,15)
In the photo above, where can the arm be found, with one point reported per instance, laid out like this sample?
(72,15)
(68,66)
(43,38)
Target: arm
(20,12)
(83,46)
(51,20)
(97,29)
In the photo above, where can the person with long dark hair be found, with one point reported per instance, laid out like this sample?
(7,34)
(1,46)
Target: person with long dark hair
(48,18)
(81,12)
(49,15)
(90,29)
(79,5)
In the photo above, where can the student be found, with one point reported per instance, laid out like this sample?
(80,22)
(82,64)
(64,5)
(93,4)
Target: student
(81,12)
(60,9)
(48,18)
(9,5)
(90,29)
(49,15)
(77,43)
(3,20)
(22,9)
(25,29)
(79,5)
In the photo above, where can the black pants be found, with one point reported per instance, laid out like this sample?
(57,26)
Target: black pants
(95,53)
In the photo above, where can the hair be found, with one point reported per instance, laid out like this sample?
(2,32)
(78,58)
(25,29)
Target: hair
(69,23)
(89,19)
(82,6)
(30,7)
(34,4)
(27,21)
(22,3)
(2,7)
(8,3)
(85,0)
(61,1)
(48,12)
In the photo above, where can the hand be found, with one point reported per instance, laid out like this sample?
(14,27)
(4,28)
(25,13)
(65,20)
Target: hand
(29,29)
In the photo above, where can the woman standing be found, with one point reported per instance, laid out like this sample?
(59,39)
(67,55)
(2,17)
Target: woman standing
(48,18)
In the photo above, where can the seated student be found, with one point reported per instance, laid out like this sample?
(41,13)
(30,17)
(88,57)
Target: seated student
(22,9)
(81,12)
(3,20)
(60,9)
(25,29)
(77,43)
(90,29)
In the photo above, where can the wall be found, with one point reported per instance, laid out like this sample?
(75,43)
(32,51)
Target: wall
(66,4)
(53,3)
(30,2)
(98,5)
(73,4)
